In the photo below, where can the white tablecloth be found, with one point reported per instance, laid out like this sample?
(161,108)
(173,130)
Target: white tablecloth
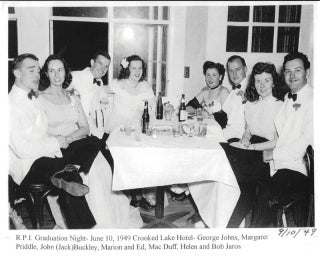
(166,160)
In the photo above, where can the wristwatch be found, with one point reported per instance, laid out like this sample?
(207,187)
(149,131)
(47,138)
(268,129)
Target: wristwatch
(69,139)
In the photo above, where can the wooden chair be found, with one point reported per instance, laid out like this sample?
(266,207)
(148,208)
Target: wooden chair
(302,209)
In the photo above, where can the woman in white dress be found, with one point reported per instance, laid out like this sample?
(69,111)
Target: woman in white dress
(130,92)
(66,118)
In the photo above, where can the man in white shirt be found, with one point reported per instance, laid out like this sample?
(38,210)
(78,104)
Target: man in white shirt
(35,157)
(294,125)
(233,106)
(88,82)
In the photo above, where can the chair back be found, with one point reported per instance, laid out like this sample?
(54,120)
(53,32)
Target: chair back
(309,160)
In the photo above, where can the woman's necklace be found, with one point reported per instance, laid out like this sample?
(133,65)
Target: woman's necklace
(213,87)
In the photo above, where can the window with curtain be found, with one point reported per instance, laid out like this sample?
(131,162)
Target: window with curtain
(268,29)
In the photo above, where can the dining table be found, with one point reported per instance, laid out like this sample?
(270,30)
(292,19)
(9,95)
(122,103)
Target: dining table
(160,159)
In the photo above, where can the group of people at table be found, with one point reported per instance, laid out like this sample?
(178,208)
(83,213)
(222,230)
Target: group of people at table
(58,133)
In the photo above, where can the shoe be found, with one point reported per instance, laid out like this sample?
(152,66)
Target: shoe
(142,203)
(194,218)
(145,205)
(135,203)
(69,181)
(178,197)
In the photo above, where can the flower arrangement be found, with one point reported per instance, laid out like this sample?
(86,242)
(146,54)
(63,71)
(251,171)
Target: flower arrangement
(124,63)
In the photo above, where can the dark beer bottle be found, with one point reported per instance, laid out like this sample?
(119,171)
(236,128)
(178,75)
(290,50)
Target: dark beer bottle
(145,118)
(159,108)
(182,110)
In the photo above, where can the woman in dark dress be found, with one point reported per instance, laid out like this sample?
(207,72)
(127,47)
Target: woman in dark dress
(212,97)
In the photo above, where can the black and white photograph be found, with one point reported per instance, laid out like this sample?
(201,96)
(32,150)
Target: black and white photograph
(159,127)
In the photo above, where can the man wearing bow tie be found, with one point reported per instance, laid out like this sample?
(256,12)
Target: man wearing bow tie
(89,84)
(233,106)
(35,157)
(294,125)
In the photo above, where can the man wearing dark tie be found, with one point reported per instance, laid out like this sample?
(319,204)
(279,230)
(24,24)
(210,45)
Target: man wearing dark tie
(94,98)
(89,84)
(294,125)
(233,106)
(35,157)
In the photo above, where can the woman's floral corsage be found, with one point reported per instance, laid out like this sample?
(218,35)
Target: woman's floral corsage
(124,63)
(296,106)
(73,92)
(74,97)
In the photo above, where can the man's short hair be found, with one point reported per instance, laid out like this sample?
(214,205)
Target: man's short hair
(102,53)
(234,57)
(18,60)
(297,55)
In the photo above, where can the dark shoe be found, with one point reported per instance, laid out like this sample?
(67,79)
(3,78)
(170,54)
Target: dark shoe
(194,218)
(70,181)
(178,197)
(142,203)
(135,203)
(145,205)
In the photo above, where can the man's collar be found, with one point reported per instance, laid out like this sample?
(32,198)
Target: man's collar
(243,84)
(303,92)
(88,69)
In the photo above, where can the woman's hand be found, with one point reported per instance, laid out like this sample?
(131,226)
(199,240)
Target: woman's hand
(245,141)
(238,144)
(62,141)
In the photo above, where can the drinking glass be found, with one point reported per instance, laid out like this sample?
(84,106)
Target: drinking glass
(176,130)
(168,111)
(199,114)
(202,129)
(127,128)
(149,131)
(154,133)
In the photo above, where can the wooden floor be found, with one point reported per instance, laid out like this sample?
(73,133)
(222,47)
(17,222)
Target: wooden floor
(171,207)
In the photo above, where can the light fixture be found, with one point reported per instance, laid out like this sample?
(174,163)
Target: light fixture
(128,34)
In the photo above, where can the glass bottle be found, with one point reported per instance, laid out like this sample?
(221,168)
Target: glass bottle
(145,118)
(159,108)
(182,110)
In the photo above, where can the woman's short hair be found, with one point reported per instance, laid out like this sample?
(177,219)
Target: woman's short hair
(44,79)
(259,68)
(217,66)
(125,72)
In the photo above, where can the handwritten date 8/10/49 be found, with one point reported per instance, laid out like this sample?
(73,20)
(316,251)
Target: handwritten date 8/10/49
(294,232)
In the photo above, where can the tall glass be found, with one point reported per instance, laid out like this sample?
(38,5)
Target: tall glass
(202,130)
(168,112)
